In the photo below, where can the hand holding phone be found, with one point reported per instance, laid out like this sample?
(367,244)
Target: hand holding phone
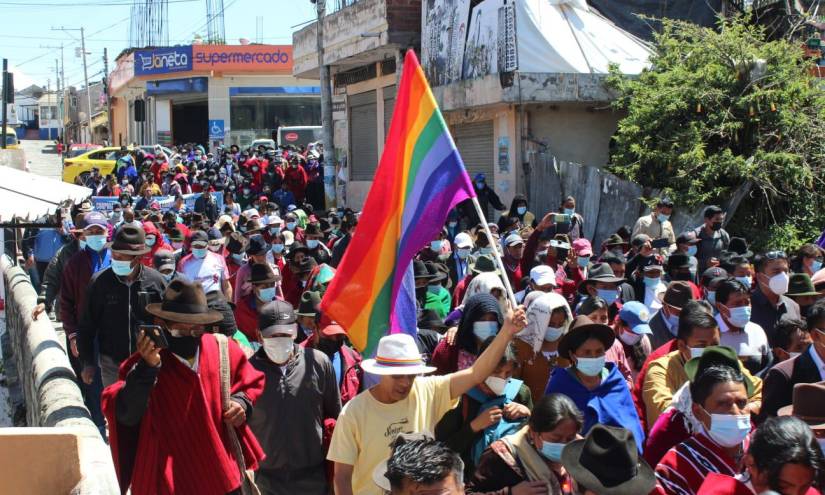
(155,334)
(561,218)
(661,243)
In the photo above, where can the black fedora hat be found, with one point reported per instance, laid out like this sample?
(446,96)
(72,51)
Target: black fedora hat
(599,272)
(678,260)
(129,240)
(429,319)
(307,264)
(606,461)
(262,273)
(184,302)
(310,300)
(435,274)
(313,229)
(740,246)
(581,327)
(236,243)
(256,245)
(485,263)
(420,269)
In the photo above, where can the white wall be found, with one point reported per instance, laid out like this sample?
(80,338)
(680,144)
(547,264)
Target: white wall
(574,133)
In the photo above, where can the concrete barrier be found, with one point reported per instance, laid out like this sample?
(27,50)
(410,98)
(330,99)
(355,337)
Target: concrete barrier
(13,158)
(48,383)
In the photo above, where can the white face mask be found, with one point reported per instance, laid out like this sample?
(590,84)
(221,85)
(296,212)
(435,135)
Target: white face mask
(278,349)
(496,385)
(779,283)
(630,338)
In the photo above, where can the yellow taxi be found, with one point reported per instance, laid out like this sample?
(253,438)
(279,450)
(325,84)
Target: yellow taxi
(80,167)
(11,139)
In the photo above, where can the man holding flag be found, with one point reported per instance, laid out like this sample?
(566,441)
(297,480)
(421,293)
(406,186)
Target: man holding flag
(419,179)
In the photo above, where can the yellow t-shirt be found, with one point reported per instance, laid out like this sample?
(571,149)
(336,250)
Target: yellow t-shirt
(366,427)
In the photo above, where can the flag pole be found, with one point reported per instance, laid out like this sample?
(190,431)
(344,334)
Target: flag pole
(510,295)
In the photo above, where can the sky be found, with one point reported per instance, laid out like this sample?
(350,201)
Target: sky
(31,46)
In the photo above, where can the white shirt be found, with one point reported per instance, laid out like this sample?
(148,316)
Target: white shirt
(209,271)
(751,341)
(820,365)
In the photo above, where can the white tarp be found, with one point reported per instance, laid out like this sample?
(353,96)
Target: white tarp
(551,36)
(443,34)
(567,36)
(27,196)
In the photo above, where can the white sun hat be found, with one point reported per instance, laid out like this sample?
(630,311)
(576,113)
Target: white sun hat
(397,354)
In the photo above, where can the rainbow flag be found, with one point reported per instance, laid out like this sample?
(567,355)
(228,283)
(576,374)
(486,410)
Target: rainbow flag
(419,179)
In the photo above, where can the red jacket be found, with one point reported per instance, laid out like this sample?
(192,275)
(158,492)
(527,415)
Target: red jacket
(246,317)
(296,180)
(75,280)
(151,229)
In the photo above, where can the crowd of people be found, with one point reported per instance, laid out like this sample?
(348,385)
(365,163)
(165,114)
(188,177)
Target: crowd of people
(655,362)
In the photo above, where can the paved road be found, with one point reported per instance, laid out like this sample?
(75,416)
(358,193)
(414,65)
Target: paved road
(47,164)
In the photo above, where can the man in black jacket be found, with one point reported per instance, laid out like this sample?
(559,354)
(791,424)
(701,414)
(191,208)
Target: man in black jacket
(207,205)
(115,306)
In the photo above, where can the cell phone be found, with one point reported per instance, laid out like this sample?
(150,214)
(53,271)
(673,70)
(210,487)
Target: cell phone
(660,243)
(155,334)
(561,218)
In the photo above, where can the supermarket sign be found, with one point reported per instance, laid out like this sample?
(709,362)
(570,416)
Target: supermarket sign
(243,58)
(163,60)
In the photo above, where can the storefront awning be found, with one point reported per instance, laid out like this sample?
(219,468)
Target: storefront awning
(27,196)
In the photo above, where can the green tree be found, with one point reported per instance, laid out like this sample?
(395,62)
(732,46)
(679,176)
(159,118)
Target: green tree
(722,108)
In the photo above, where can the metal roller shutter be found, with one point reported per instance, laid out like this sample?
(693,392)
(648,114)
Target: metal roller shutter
(476,145)
(389,106)
(363,135)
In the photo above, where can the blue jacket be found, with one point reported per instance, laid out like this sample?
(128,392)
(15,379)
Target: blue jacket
(609,404)
(46,244)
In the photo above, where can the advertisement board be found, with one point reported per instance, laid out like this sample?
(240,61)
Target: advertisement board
(243,58)
(163,60)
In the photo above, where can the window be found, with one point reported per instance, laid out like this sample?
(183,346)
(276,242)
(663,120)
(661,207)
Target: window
(249,113)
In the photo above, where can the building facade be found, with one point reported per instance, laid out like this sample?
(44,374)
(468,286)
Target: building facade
(215,94)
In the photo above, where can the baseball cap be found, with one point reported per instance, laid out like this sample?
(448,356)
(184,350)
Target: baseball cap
(639,240)
(582,247)
(277,317)
(199,236)
(333,329)
(543,275)
(688,237)
(513,240)
(251,213)
(95,219)
(637,316)
(463,240)
(713,273)
(164,259)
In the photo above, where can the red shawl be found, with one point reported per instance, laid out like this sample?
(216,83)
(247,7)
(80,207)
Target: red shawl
(181,445)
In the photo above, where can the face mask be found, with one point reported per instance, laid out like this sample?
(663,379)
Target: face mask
(312,243)
(463,253)
(150,241)
(121,268)
(711,297)
(96,242)
(496,385)
(278,349)
(184,346)
(583,261)
(277,248)
(553,334)
(267,294)
(124,182)
(662,218)
(290,225)
(692,250)
(779,283)
(609,295)
(570,211)
(275,230)
(177,245)
(551,451)
(485,329)
(716,226)
(746,281)
(215,248)
(81,243)
(672,321)
(652,281)
(521,210)
(329,347)
(239,259)
(696,352)
(254,169)
(729,430)
(168,276)
(793,354)
(199,253)
(480,185)
(485,250)
(452,225)
(435,245)
(590,366)
(630,338)
(247,191)
(816,265)
(116,216)
(739,317)
(434,289)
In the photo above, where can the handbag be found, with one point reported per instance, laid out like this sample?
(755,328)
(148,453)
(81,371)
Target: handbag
(248,486)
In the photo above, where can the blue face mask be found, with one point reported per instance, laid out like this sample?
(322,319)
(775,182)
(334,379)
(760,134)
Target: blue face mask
(81,243)
(672,322)
(711,297)
(435,245)
(96,242)
(434,289)
(590,366)
(290,225)
(150,241)
(609,295)
(485,250)
(267,294)
(277,248)
(463,253)
(652,282)
(275,230)
(662,218)
(485,329)
(816,266)
(312,243)
(121,268)
(480,185)
(521,210)
(168,276)
(692,251)
(739,317)
(551,451)
(570,211)
(746,281)
(238,258)
(583,261)
(199,253)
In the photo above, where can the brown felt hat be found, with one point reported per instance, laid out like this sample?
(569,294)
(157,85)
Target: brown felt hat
(581,326)
(807,404)
(184,302)
(129,240)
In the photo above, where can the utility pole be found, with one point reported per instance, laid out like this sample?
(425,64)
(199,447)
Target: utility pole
(59,99)
(49,106)
(85,72)
(326,107)
(106,94)
(5,92)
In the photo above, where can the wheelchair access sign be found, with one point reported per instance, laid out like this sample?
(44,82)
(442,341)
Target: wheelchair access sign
(216,129)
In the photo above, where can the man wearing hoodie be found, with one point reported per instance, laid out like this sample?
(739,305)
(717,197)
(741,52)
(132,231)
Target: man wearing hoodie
(154,242)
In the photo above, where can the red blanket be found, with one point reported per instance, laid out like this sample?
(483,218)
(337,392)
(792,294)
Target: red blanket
(181,445)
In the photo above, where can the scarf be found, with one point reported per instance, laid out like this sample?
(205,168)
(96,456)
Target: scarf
(501,429)
(535,467)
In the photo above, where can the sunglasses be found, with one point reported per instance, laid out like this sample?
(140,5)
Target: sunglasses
(775,255)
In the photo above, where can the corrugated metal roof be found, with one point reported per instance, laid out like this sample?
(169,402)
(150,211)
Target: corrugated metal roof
(27,196)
